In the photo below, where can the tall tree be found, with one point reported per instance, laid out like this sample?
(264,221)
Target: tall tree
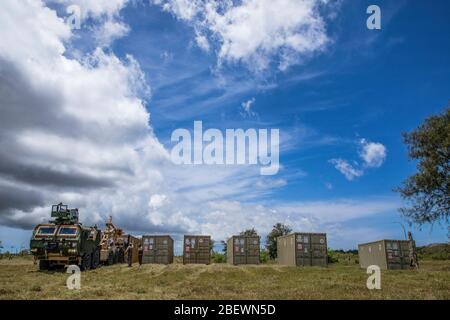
(427,193)
(249,232)
(224,243)
(271,242)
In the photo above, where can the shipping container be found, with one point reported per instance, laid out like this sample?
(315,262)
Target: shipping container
(243,250)
(303,249)
(387,254)
(197,249)
(135,251)
(157,249)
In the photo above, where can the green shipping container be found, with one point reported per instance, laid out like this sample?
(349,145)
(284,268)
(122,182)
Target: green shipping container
(303,249)
(387,254)
(197,249)
(243,250)
(157,249)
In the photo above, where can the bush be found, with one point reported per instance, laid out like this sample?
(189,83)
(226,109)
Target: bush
(332,257)
(434,256)
(437,251)
(217,257)
(264,256)
(344,257)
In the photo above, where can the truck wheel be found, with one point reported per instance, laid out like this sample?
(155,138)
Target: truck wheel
(95,259)
(86,262)
(43,265)
(110,258)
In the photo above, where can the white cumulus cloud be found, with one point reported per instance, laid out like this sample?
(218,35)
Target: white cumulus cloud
(372,154)
(349,171)
(109,31)
(95,9)
(107,15)
(71,130)
(77,130)
(202,42)
(256,32)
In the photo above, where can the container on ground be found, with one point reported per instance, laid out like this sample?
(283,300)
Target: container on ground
(387,254)
(243,250)
(197,249)
(157,249)
(302,249)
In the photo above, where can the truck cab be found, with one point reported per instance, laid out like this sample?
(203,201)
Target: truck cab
(64,241)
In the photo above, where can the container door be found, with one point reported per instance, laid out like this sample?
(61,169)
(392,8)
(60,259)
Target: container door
(319,250)
(303,247)
(190,250)
(148,250)
(405,252)
(196,249)
(394,258)
(252,250)
(239,250)
(152,249)
(203,253)
(162,250)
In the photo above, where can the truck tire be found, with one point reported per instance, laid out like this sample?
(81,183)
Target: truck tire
(95,259)
(86,262)
(44,265)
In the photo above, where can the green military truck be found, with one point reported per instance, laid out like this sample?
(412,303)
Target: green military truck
(65,241)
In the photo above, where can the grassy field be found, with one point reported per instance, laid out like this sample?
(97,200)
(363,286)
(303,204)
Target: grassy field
(20,279)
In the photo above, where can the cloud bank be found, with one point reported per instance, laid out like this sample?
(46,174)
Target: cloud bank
(77,129)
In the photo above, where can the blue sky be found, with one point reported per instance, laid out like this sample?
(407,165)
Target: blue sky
(362,84)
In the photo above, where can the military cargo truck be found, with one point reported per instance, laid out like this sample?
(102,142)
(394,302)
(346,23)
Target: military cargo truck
(112,244)
(65,241)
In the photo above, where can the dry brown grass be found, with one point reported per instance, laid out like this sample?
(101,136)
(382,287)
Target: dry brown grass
(20,279)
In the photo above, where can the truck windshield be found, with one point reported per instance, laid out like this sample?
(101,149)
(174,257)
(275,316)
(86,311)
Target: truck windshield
(46,230)
(71,231)
(59,208)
